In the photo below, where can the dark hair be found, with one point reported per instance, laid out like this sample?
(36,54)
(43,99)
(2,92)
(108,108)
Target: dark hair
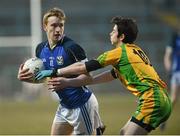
(127,27)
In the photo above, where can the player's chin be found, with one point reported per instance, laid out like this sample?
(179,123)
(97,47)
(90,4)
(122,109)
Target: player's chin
(57,38)
(112,42)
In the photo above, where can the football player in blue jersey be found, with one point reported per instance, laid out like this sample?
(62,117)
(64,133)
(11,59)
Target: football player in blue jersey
(172,67)
(172,64)
(78,110)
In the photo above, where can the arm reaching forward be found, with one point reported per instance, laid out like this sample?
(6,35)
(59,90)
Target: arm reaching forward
(83,79)
(79,68)
(74,69)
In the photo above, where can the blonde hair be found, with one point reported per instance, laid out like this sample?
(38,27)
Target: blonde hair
(54,12)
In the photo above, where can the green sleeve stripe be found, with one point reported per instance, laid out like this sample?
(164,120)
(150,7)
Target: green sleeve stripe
(101,59)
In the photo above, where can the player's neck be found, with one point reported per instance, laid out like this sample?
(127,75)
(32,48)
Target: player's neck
(118,44)
(52,44)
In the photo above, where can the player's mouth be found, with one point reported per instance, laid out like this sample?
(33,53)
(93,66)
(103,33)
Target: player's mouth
(57,36)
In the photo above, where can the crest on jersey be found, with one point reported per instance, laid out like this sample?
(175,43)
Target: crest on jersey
(60,60)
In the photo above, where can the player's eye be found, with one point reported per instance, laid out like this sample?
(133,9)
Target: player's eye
(57,25)
(61,25)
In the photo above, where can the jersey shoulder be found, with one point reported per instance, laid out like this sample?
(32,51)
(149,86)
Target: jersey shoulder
(132,46)
(74,49)
(39,47)
(71,44)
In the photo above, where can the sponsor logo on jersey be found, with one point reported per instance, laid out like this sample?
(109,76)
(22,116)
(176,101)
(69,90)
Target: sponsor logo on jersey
(60,60)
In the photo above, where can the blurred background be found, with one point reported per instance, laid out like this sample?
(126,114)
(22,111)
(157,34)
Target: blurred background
(88,23)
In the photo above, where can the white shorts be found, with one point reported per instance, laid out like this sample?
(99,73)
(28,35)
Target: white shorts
(175,79)
(84,119)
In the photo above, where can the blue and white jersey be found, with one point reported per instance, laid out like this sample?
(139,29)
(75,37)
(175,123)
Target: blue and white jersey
(176,53)
(65,53)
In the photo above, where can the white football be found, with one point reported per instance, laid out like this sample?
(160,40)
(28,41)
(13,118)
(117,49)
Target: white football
(34,65)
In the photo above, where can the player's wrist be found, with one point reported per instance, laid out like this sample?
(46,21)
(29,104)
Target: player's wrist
(58,72)
(54,72)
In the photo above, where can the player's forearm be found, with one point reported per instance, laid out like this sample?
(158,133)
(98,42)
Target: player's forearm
(168,65)
(89,80)
(167,62)
(74,69)
(167,58)
(81,80)
(102,77)
(79,68)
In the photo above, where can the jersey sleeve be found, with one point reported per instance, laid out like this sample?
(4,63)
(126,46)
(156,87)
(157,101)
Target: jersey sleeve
(110,57)
(78,52)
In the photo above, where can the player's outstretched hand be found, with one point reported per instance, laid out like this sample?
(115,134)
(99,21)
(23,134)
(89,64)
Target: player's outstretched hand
(42,74)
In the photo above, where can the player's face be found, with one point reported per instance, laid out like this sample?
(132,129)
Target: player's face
(114,36)
(54,29)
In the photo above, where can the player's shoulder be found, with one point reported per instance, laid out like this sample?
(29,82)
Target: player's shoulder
(73,48)
(42,44)
(69,43)
(133,46)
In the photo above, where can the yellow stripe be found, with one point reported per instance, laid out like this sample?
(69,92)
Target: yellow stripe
(113,56)
(147,106)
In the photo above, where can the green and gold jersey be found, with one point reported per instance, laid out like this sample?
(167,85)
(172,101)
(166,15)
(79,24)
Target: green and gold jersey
(132,67)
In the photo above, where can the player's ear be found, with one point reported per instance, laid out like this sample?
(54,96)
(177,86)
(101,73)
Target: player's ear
(44,27)
(121,37)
